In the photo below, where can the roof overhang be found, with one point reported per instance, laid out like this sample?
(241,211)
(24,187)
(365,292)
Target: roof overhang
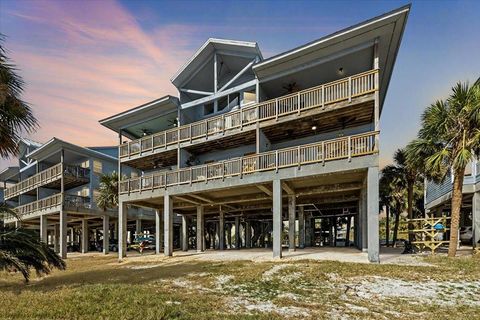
(234,47)
(144,113)
(386,29)
(55,145)
(9,174)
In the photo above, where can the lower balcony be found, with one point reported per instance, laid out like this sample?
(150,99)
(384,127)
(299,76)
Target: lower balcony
(335,149)
(50,204)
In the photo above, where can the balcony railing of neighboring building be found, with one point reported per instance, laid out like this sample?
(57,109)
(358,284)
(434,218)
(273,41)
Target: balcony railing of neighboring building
(316,97)
(36,206)
(328,150)
(47,176)
(75,202)
(69,201)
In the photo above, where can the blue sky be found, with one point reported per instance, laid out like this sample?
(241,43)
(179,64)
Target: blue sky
(84,61)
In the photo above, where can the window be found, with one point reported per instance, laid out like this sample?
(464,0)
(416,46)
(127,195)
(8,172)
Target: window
(97,167)
(234,99)
(208,109)
(222,103)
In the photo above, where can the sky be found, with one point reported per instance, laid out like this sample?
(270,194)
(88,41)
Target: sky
(83,61)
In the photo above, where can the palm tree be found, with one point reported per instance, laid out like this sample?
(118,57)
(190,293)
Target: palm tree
(16,116)
(392,187)
(20,249)
(108,197)
(450,138)
(400,185)
(410,168)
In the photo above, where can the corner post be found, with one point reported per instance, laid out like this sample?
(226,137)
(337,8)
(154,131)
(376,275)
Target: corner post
(184,233)
(84,236)
(301,227)
(372,215)
(168,224)
(122,230)
(277,219)
(291,223)
(106,234)
(221,230)
(43,229)
(200,229)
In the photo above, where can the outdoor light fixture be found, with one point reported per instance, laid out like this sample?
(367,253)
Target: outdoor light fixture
(314,128)
(340,71)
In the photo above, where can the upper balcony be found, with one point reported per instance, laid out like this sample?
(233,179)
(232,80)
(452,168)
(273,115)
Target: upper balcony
(350,90)
(340,148)
(50,178)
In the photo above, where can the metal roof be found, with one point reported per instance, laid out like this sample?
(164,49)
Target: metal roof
(55,144)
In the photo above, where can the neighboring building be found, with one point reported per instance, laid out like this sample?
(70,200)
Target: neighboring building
(54,188)
(253,142)
(438,199)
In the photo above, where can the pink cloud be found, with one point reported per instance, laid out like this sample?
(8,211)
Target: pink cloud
(89,60)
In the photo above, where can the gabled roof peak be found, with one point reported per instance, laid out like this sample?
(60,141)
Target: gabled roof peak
(208,48)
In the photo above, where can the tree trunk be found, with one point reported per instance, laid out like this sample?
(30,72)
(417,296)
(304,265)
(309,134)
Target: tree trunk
(410,210)
(456,206)
(395,227)
(387,226)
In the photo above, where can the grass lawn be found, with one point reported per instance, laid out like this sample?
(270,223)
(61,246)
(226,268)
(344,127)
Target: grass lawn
(98,287)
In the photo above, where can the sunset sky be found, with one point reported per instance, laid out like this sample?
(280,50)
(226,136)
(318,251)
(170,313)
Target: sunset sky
(86,60)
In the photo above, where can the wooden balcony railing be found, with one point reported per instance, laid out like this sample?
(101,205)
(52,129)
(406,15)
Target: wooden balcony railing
(340,148)
(70,201)
(46,176)
(39,205)
(317,97)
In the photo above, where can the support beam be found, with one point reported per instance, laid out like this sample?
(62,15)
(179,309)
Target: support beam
(168,224)
(158,231)
(476,217)
(122,230)
(308,229)
(215,72)
(237,232)
(277,219)
(301,227)
(265,189)
(373,211)
(184,199)
(263,143)
(221,230)
(289,190)
(138,227)
(362,219)
(200,229)
(238,75)
(63,234)
(85,235)
(43,228)
(106,234)
(56,238)
(184,233)
(291,223)
(248,234)
(376,116)
(202,93)
(201,198)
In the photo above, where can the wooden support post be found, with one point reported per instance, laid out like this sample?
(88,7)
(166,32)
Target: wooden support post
(291,223)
